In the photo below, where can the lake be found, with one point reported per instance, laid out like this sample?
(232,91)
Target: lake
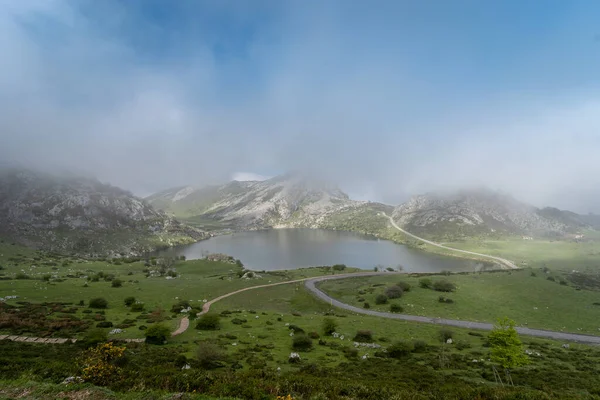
(279,249)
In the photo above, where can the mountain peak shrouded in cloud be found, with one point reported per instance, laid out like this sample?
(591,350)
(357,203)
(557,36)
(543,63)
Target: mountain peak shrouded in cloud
(387,102)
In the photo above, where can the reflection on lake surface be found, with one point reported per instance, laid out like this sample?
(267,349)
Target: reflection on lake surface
(278,249)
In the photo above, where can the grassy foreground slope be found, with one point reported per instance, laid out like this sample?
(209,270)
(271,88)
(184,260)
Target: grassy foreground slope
(254,340)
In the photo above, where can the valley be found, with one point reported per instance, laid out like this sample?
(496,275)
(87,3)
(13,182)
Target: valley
(269,321)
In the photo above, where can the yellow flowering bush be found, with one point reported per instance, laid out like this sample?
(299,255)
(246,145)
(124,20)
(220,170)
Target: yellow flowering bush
(288,397)
(98,363)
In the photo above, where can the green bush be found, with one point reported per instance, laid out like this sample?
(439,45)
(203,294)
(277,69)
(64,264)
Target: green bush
(420,346)
(98,302)
(137,307)
(425,283)
(238,321)
(401,348)
(381,299)
(396,308)
(129,301)
(301,342)
(444,285)
(157,334)
(104,324)
(329,326)
(21,275)
(209,355)
(405,286)
(46,277)
(116,283)
(364,336)
(366,305)
(180,305)
(313,335)
(445,334)
(339,267)
(95,336)
(209,322)
(394,292)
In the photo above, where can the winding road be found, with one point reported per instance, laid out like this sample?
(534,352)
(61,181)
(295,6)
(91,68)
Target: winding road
(502,261)
(311,286)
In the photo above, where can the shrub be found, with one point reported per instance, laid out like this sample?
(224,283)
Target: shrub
(563,282)
(209,355)
(98,302)
(550,278)
(296,328)
(462,345)
(363,336)
(46,277)
(396,308)
(394,292)
(425,283)
(446,300)
(381,299)
(350,352)
(95,336)
(366,305)
(180,306)
(116,283)
(137,307)
(129,301)
(329,326)
(339,267)
(313,335)
(209,322)
(533,274)
(21,275)
(142,327)
(444,285)
(445,334)
(238,321)
(104,324)
(405,286)
(401,348)
(301,342)
(419,346)
(157,334)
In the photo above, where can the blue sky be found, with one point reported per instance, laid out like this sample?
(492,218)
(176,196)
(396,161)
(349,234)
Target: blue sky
(388,98)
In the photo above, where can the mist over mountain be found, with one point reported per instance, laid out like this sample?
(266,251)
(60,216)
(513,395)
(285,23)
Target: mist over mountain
(203,93)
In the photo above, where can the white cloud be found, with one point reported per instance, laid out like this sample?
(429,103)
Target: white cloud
(248,176)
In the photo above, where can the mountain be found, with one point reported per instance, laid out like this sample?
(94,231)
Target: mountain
(82,215)
(482,212)
(287,201)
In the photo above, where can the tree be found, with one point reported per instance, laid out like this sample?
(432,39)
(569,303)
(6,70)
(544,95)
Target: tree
(506,346)
(157,334)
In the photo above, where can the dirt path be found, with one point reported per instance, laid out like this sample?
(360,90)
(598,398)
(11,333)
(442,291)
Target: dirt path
(502,261)
(310,285)
(184,323)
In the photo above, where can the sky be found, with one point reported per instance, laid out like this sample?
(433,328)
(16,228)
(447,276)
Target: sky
(386,98)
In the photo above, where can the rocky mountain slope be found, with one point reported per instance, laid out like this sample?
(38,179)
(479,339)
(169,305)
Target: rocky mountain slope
(288,201)
(81,215)
(482,212)
(291,201)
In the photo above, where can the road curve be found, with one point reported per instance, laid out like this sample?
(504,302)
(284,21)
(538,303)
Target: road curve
(502,261)
(311,286)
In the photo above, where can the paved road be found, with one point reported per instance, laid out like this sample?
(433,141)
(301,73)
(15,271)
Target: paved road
(502,261)
(311,286)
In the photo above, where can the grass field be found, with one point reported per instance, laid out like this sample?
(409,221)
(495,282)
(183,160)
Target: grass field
(257,328)
(532,301)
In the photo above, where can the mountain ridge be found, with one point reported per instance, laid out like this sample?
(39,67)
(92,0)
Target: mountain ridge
(82,215)
(290,201)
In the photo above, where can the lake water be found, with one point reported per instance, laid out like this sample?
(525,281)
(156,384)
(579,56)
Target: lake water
(278,249)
